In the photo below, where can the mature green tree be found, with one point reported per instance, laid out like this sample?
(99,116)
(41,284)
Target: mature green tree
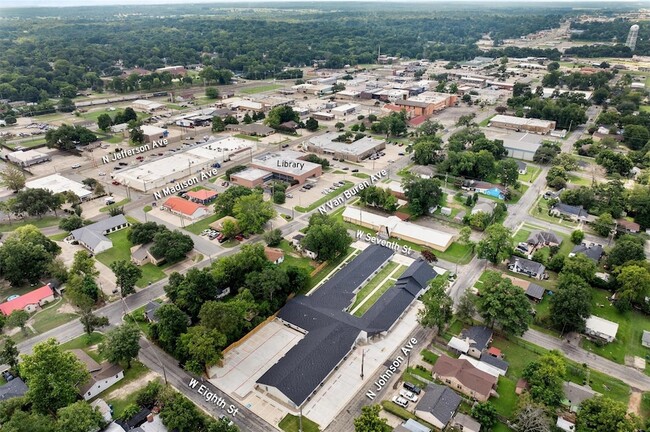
(9,353)
(571,303)
(228,318)
(638,203)
(636,136)
(604,224)
(22,421)
(369,420)
(225,202)
(173,245)
(422,194)
(82,290)
(203,348)
(217,124)
(486,414)
(508,172)
(79,417)
(18,318)
(567,161)
(504,304)
(273,237)
(192,290)
(12,406)
(83,264)
(126,275)
(137,135)
(577,236)
(53,375)
(437,311)
(633,285)
(281,114)
(429,128)
(545,377)
(252,212)
(26,255)
(58,270)
(602,414)
(12,178)
(270,285)
(67,137)
(627,248)
(36,202)
(311,124)
(614,163)
(221,426)
(180,414)
(172,323)
(104,122)
(425,150)
(466,307)
(89,320)
(211,93)
(122,344)
(580,265)
(71,223)
(326,237)
(141,233)
(496,245)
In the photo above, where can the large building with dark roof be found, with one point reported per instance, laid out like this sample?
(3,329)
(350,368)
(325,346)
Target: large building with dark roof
(330,332)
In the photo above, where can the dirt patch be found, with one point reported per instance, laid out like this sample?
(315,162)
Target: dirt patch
(66,308)
(634,405)
(132,386)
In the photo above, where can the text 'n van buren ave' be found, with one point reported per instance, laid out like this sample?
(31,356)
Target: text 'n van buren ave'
(346,195)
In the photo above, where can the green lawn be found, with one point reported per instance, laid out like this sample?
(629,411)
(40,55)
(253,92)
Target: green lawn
(578,180)
(326,198)
(360,175)
(500,427)
(531,174)
(506,403)
(631,325)
(86,343)
(147,208)
(516,194)
(485,122)
(296,261)
(50,317)
(372,284)
(645,108)
(521,236)
(198,227)
(260,89)
(198,188)
(291,423)
(373,298)
(45,221)
(121,251)
(115,139)
(59,237)
(247,137)
(540,211)
(117,204)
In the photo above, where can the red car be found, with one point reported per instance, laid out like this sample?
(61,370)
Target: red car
(239,237)
(116,183)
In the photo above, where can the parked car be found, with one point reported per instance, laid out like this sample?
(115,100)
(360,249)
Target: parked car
(115,182)
(400,154)
(412,388)
(122,163)
(408,395)
(239,237)
(401,401)
(346,168)
(101,174)
(75,166)
(355,170)
(117,168)
(289,195)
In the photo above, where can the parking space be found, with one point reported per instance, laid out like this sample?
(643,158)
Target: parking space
(243,365)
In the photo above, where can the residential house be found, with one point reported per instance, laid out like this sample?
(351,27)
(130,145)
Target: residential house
(522,167)
(411,425)
(601,329)
(541,239)
(185,208)
(565,425)
(276,256)
(150,311)
(533,291)
(479,338)
(461,375)
(496,363)
(29,302)
(485,188)
(521,386)
(593,251)
(465,423)
(13,389)
(645,339)
(218,224)
(102,376)
(565,211)
(627,227)
(141,255)
(575,394)
(484,206)
(438,405)
(135,421)
(295,241)
(203,196)
(458,345)
(93,237)
(527,267)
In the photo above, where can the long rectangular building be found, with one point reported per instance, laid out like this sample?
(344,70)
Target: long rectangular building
(519,124)
(355,151)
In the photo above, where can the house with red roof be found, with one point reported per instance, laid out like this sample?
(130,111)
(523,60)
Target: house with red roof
(203,196)
(185,208)
(29,302)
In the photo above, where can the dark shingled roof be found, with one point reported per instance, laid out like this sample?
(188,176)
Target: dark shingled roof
(535,291)
(14,388)
(331,333)
(440,401)
(479,337)
(496,362)
(593,251)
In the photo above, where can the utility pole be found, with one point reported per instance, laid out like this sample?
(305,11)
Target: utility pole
(300,421)
(363,357)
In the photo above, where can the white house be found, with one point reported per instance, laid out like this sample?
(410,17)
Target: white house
(276,256)
(93,237)
(101,376)
(600,328)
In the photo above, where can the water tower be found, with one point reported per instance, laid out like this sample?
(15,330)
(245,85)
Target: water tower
(632,37)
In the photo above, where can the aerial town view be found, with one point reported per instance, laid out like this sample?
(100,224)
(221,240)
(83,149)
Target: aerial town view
(338,216)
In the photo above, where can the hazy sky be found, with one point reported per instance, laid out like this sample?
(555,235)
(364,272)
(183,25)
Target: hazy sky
(60,3)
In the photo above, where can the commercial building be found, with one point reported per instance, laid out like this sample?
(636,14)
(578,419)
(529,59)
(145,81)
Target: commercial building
(251,177)
(427,103)
(146,105)
(154,133)
(27,158)
(393,226)
(203,196)
(29,302)
(330,333)
(196,162)
(344,110)
(56,183)
(287,166)
(93,237)
(518,124)
(354,152)
(253,129)
(185,208)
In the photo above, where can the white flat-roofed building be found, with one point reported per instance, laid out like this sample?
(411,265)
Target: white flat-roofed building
(287,166)
(324,116)
(344,110)
(600,328)
(56,183)
(522,124)
(349,94)
(355,151)
(27,158)
(395,227)
(243,104)
(153,133)
(146,105)
(161,172)
(549,91)
(524,150)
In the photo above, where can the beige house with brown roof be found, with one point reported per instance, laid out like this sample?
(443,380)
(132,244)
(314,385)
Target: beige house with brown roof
(460,375)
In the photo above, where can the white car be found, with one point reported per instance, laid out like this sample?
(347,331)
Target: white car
(408,395)
(400,401)
(75,166)
(101,174)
